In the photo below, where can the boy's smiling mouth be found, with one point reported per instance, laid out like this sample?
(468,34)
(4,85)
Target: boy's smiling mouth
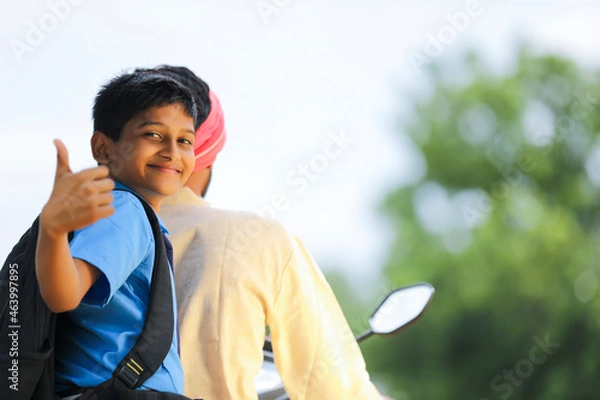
(165,168)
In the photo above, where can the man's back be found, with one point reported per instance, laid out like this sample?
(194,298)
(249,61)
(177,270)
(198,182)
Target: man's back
(237,272)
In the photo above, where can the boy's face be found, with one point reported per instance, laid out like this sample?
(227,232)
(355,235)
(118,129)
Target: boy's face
(155,154)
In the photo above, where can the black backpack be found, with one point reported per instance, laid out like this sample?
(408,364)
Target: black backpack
(26,326)
(27,329)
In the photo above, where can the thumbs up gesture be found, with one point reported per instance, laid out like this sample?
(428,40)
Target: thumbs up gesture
(77,199)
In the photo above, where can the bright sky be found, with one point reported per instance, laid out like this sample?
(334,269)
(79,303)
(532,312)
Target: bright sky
(313,93)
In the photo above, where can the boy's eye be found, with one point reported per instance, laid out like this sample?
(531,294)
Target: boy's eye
(185,141)
(152,134)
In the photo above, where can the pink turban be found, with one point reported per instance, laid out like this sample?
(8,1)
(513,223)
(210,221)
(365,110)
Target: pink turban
(210,136)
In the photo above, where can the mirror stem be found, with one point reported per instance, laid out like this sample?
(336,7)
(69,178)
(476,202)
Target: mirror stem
(364,335)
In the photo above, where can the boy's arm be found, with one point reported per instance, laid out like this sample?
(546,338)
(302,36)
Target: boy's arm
(77,200)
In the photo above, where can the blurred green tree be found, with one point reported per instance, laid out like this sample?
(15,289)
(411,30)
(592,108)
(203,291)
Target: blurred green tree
(505,223)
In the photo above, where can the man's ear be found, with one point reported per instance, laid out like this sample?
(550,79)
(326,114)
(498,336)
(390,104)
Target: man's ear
(199,181)
(102,147)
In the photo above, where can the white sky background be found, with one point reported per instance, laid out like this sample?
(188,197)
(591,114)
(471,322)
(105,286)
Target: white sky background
(285,85)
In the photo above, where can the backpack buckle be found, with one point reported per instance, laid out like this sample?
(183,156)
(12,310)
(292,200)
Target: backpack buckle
(128,376)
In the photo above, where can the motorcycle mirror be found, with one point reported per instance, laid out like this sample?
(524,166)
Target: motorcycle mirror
(401,308)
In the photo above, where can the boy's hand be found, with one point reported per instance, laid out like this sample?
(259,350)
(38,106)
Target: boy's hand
(77,199)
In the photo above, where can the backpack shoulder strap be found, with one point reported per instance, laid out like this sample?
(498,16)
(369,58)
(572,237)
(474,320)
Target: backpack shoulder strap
(154,342)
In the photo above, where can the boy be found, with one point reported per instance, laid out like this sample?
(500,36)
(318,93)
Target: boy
(144,132)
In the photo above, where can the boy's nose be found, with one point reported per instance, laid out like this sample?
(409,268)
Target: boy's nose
(170,150)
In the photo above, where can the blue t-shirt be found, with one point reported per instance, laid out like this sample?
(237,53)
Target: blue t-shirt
(93,338)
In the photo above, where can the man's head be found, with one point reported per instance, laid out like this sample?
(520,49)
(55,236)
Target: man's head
(211,134)
(144,131)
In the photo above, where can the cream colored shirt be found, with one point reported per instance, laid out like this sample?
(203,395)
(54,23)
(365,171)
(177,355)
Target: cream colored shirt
(235,273)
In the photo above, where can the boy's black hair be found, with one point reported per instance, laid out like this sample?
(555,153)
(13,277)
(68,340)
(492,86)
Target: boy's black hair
(186,77)
(126,95)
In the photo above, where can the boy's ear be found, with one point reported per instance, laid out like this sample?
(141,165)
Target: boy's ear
(101,147)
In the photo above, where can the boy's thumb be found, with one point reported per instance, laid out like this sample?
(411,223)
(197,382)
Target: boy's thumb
(62,159)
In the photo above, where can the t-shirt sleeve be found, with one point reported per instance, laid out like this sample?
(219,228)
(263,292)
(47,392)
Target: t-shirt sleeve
(115,245)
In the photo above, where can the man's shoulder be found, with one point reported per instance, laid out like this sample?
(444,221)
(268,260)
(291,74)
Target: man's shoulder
(245,220)
(260,241)
(185,208)
(188,214)
(214,224)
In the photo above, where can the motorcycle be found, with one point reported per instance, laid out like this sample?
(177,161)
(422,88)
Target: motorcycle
(400,309)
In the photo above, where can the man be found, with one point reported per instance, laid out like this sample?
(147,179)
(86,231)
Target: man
(237,273)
